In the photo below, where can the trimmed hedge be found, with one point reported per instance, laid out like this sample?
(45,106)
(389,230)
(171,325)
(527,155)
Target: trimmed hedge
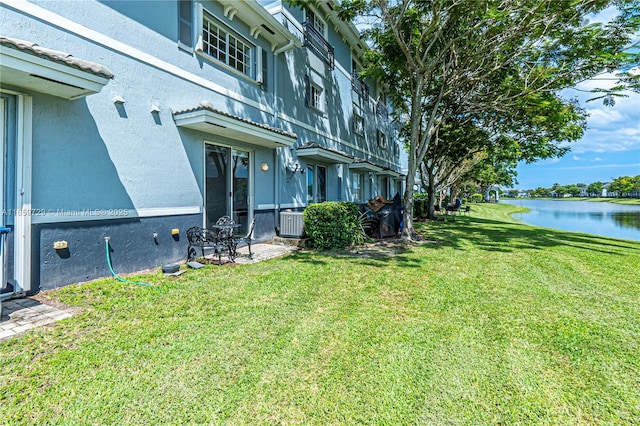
(332,225)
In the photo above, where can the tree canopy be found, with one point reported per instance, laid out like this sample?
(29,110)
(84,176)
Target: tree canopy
(496,65)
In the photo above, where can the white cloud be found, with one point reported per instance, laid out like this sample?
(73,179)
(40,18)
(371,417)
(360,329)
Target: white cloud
(607,15)
(576,158)
(603,117)
(611,129)
(597,159)
(549,161)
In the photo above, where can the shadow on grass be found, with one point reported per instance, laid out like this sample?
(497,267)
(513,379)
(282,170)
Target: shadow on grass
(499,236)
(379,255)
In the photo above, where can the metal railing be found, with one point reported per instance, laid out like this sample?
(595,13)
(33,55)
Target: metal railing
(382,110)
(359,86)
(316,41)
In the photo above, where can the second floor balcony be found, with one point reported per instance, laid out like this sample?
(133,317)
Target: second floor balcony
(316,41)
(382,109)
(359,86)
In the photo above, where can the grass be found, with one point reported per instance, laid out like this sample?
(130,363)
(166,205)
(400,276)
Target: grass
(496,323)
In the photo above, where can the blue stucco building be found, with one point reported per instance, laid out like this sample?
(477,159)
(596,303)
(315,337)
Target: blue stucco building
(133,119)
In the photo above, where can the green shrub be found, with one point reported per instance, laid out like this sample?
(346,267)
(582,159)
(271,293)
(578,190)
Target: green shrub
(332,225)
(477,198)
(420,204)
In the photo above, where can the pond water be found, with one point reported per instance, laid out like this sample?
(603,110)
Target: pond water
(598,218)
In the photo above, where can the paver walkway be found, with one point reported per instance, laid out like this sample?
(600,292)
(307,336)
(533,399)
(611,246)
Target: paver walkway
(21,315)
(24,314)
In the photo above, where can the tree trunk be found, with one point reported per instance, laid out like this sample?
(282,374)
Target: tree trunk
(431,192)
(408,231)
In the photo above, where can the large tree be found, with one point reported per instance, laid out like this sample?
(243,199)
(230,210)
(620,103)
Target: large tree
(446,55)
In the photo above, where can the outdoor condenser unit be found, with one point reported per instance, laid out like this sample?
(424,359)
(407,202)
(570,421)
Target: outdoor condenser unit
(291,224)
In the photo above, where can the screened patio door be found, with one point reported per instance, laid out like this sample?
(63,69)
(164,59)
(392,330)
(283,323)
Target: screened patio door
(227,185)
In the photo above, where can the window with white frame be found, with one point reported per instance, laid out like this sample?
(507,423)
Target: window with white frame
(382,139)
(227,47)
(358,121)
(317,23)
(316,184)
(315,95)
(358,187)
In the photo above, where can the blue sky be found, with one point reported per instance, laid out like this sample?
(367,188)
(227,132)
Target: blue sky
(610,147)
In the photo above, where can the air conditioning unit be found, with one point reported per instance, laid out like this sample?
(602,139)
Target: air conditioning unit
(291,224)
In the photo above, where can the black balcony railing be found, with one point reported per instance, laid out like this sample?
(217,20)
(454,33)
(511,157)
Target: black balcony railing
(359,86)
(316,41)
(382,110)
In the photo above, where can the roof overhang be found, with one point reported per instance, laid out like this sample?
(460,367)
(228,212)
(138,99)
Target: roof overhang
(26,65)
(348,31)
(261,23)
(389,172)
(206,119)
(324,155)
(365,166)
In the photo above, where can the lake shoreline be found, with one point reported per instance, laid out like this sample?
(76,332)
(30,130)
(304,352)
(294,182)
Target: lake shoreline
(612,220)
(625,201)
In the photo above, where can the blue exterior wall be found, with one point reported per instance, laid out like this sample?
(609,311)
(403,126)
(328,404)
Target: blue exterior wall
(93,154)
(132,247)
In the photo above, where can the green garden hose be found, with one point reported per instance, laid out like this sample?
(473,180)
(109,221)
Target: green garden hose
(116,276)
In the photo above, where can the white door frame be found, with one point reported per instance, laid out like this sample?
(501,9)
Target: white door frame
(22,221)
(230,198)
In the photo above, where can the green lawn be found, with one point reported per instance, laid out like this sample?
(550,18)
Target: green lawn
(497,323)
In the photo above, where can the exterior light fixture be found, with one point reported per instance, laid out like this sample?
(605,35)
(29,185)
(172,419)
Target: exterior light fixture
(264,167)
(294,166)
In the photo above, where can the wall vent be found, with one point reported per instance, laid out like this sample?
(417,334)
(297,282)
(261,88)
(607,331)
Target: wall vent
(291,224)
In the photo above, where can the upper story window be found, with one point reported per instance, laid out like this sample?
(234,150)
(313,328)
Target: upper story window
(227,47)
(382,139)
(317,23)
(358,85)
(185,16)
(315,33)
(358,121)
(381,106)
(315,95)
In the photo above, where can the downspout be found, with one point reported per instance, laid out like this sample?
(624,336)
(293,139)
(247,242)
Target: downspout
(276,179)
(284,48)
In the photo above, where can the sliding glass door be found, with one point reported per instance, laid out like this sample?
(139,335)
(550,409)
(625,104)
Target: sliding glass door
(228,185)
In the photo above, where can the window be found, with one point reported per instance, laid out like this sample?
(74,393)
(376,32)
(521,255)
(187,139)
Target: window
(358,187)
(315,96)
(317,23)
(382,139)
(358,122)
(316,184)
(226,47)
(358,85)
(321,184)
(184,22)
(315,38)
